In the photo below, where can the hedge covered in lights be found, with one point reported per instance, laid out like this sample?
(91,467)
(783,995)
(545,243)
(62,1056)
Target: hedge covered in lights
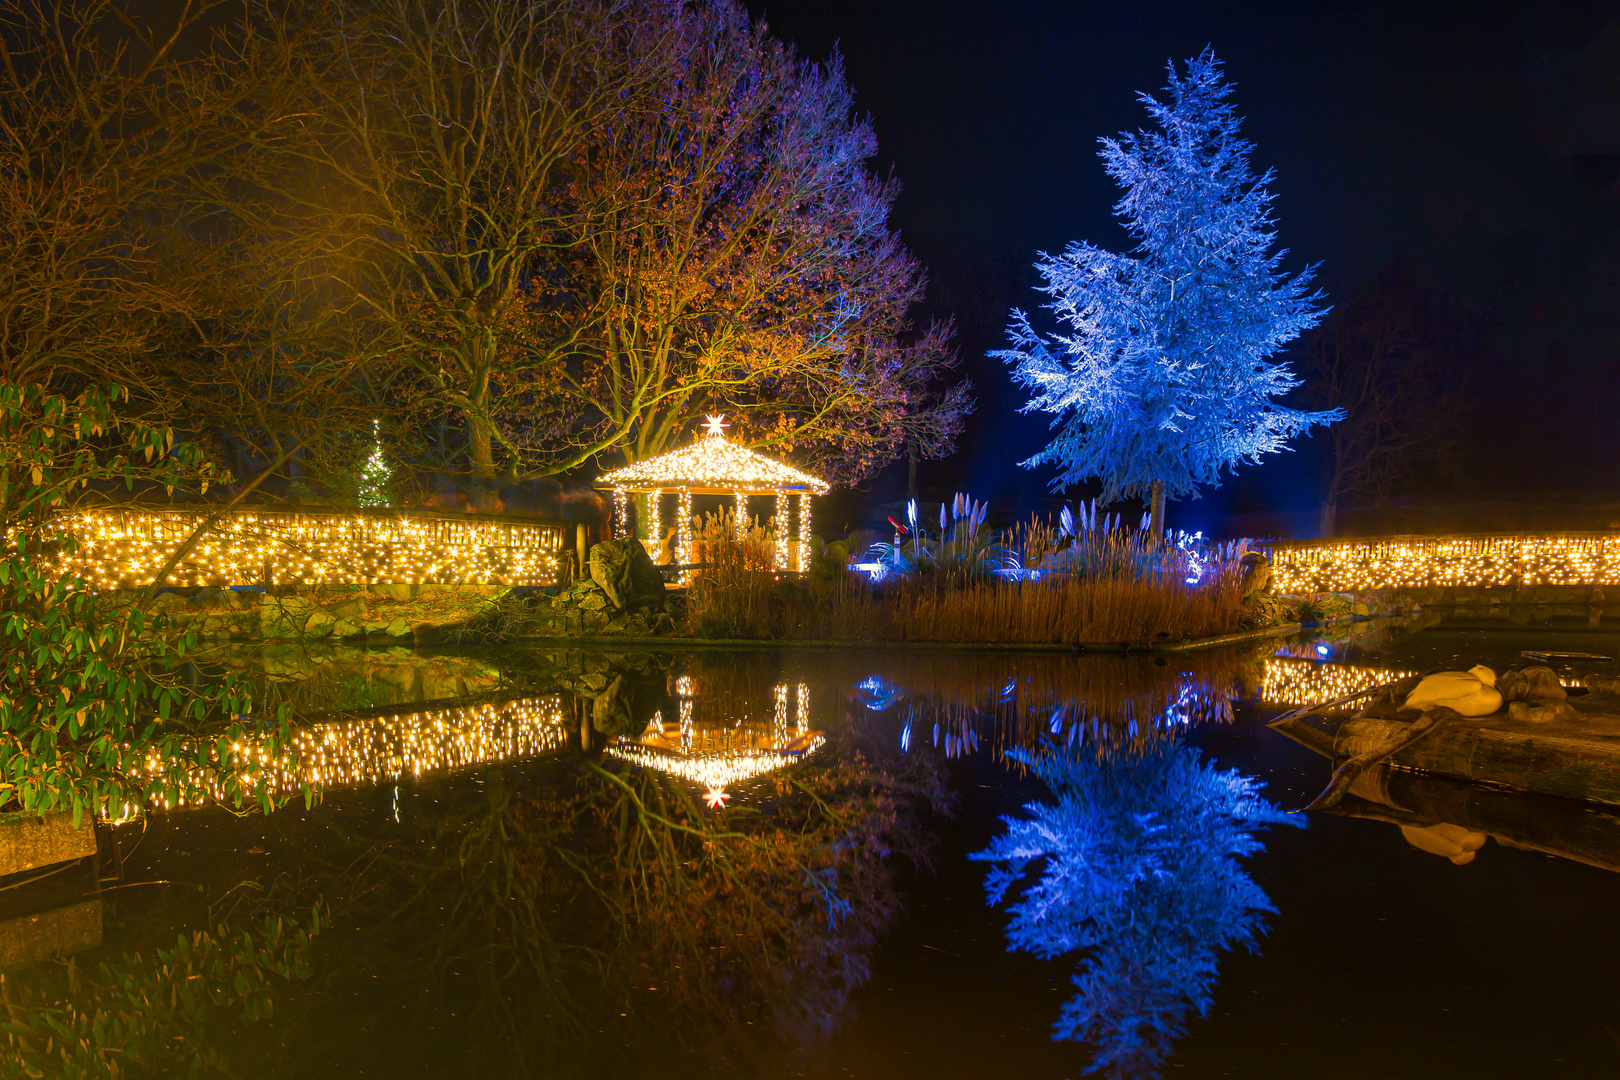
(1439,562)
(121,548)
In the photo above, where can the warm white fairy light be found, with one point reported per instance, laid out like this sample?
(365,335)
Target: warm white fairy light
(1289,681)
(387,748)
(803,563)
(779,529)
(715,771)
(713,462)
(621,513)
(655,520)
(724,750)
(1344,565)
(683,527)
(714,465)
(124,548)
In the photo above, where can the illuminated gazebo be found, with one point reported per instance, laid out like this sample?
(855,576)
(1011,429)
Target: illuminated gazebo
(713,465)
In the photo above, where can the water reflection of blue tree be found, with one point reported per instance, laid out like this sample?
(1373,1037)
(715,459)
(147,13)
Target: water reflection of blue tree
(1137,866)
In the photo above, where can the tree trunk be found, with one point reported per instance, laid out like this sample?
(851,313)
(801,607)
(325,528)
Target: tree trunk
(1330,518)
(1329,522)
(1156,509)
(911,476)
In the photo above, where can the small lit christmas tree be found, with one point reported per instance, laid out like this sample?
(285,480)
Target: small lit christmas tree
(377,475)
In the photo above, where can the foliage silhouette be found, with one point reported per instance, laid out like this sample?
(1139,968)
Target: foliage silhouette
(1135,866)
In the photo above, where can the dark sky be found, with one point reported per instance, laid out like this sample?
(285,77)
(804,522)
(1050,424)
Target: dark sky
(1480,142)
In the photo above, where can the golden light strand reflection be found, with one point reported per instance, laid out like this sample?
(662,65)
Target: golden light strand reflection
(382,749)
(723,751)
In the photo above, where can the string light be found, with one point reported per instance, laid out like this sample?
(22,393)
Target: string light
(385,749)
(124,548)
(779,529)
(714,465)
(1339,566)
(684,530)
(804,533)
(1288,681)
(714,462)
(621,513)
(725,750)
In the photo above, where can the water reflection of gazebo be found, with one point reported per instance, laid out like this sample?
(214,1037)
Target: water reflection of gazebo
(718,751)
(713,465)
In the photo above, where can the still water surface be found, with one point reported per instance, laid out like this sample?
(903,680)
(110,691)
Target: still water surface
(757,864)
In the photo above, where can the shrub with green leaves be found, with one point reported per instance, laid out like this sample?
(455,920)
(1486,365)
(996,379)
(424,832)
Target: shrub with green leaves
(101,707)
(142,1015)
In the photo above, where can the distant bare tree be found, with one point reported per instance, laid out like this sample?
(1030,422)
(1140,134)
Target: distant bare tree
(1395,358)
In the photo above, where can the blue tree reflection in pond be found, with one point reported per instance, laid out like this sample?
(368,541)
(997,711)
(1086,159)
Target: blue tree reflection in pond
(1136,865)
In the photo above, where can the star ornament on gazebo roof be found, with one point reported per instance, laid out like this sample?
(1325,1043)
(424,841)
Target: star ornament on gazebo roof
(713,464)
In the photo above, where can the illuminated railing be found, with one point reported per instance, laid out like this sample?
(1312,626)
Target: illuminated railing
(1438,562)
(122,548)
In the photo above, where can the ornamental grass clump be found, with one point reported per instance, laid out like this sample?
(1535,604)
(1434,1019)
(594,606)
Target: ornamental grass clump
(731,596)
(1087,579)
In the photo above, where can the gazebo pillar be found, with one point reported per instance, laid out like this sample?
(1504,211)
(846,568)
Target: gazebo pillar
(779,531)
(804,532)
(683,530)
(655,524)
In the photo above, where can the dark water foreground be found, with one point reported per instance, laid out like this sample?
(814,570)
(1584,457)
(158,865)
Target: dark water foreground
(724,864)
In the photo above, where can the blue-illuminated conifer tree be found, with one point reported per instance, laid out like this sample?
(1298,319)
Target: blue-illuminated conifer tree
(1160,376)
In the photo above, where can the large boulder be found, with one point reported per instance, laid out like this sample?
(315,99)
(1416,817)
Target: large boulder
(1256,579)
(626,573)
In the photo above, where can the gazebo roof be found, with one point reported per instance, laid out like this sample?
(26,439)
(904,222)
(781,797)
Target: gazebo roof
(713,464)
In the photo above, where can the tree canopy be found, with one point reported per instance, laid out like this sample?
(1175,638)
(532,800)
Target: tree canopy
(1160,378)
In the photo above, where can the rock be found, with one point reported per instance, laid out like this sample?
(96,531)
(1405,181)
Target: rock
(1256,575)
(1602,684)
(1360,608)
(1524,712)
(625,572)
(593,601)
(1535,685)
(348,609)
(345,628)
(319,624)
(395,592)
(397,628)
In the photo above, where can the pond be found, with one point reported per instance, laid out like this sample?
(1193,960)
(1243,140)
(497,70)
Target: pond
(755,863)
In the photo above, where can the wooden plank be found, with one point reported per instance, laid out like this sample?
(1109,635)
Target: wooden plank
(1576,759)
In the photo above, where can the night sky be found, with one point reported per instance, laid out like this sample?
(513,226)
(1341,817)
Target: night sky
(1477,142)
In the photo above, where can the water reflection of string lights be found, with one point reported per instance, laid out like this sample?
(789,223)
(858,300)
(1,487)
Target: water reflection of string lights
(1290,681)
(725,751)
(719,771)
(387,748)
